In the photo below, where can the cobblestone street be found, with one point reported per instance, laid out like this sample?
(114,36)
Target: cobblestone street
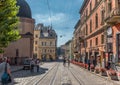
(56,74)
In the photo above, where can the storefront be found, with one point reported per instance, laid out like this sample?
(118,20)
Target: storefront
(118,46)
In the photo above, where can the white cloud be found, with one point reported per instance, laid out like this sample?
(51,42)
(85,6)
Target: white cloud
(45,18)
(61,23)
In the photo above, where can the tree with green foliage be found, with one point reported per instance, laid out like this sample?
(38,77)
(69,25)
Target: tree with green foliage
(8,23)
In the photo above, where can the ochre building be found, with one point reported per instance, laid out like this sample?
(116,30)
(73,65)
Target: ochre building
(97,33)
(45,43)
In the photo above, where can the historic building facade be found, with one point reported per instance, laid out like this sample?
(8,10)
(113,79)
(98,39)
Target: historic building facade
(45,43)
(98,31)
(23,48)
(76,42)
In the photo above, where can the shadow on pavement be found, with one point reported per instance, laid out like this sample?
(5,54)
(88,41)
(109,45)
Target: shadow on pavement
(27,73)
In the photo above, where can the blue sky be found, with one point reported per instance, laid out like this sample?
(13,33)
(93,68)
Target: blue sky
(64,16)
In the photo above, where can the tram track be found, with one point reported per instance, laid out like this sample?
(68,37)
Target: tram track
(35,80)
(75,75)
(45,78)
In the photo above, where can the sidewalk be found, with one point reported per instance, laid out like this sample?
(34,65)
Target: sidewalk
(104,77)
(16,68)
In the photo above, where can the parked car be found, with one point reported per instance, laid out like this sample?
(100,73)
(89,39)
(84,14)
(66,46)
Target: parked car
(26,64)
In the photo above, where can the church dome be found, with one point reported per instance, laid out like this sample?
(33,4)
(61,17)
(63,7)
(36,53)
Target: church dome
(24,10)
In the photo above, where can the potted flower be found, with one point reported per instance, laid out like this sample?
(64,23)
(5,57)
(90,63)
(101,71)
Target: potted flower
(103,72)
(92,68)
(86,66)
(113,74)
(97,70)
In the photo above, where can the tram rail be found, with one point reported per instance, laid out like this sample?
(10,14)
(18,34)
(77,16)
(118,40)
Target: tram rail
(75,75)
(45,77)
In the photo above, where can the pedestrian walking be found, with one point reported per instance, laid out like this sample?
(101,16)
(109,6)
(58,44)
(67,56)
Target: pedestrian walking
(89,64)
(32,63)
(68,62)
(5,73)
(37,64)
(64,61)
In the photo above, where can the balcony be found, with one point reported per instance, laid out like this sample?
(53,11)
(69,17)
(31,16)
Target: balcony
(113,17)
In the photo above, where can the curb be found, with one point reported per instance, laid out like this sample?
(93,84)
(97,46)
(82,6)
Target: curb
(107,79)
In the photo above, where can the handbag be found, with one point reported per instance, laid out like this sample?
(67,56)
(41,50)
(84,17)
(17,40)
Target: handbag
(6,77)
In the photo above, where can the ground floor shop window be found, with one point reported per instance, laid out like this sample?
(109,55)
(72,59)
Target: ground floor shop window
(118,46)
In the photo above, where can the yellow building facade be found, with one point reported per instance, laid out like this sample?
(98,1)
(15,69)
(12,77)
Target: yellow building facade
(45,43)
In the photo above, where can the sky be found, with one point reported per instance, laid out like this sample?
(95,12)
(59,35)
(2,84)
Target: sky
(64,16)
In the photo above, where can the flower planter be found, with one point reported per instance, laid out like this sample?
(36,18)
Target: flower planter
(97,70)
(114,75)
(92,68)
(103,72)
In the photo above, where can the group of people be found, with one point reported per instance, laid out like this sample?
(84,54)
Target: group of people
(34,63)
(66,60)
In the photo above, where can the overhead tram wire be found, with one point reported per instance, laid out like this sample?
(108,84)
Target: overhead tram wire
(49,13)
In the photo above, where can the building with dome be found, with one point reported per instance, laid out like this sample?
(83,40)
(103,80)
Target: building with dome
(23,48)
(45,42)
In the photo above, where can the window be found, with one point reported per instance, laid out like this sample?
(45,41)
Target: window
(96,20)
(50,43)
(102,39)
(90,26)
(96,2)
(109,6)
(53,51)
(86,12)
(17,52)
(42,43)
(45,43)
(36,42)
(90,43)
(36,36)
(102,16)
(35,48)
(45,50)
(90,7)
(86,29)
(86,44)
(96,41)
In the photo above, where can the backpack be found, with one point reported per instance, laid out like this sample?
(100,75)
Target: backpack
(5,79)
